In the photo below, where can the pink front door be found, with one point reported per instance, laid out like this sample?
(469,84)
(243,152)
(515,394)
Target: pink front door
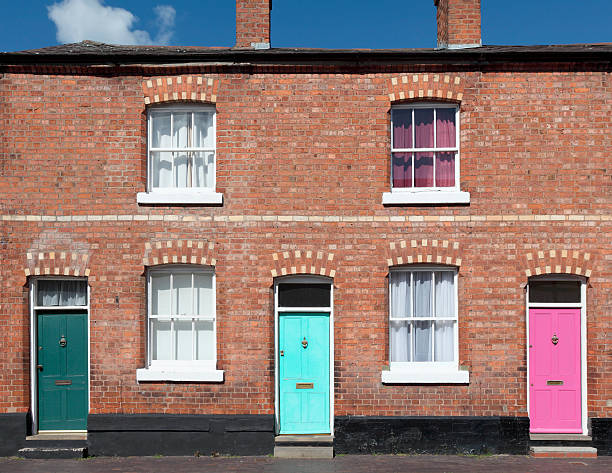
(554,371)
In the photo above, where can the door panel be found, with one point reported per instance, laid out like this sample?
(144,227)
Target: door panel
(304,373)
(555,371)
(62,381)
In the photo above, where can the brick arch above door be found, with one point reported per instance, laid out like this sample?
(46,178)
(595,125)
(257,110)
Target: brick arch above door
(557,261)
(316,262)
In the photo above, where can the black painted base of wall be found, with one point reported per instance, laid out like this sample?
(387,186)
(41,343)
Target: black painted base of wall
(155,434)
(13,431)
(432,435)
(601,431)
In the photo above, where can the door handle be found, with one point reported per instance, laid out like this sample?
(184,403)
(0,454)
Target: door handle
(39,367)
(282,353)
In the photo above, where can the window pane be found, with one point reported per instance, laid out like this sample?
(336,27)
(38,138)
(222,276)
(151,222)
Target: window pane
(402,169)
(445,294)
(161,339)
(181,170)
(160,294)
(445,128)
(205,340)
(304,295)
(162,169)
(423,169)
(182,126)
(204,169)
(445,341)
(204,294)
(61,293)
(160,130)
(554,291)
(422,341)
(400,294)
(182,294)
(183,339)
(203,130)
(445,169)
(400,339)
(424,130)
(402,128)
(422,294)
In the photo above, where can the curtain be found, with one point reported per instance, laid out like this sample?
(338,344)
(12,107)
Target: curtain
(445,138)
(402,138)
(400,308)
(422,294)
(180,140)
(424,138)
(445,307)
(62,293)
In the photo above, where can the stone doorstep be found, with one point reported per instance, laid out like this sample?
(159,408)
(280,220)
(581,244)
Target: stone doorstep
(303,452)
(561,437)
(57,436)
(563,452)
(53,452)
(304,446)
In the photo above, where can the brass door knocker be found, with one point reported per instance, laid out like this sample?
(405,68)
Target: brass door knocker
(555,339)
(304,343)
(62,341)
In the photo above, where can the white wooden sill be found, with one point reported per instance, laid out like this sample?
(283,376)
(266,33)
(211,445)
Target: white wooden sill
(433,376)
(186,375)
(425,197)
(177,196)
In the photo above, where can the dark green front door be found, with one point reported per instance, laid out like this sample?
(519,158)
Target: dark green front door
(62,371)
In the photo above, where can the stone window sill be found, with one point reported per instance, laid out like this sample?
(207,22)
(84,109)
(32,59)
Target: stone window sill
(425,377)
(425,197)
(180,198)
(191,375)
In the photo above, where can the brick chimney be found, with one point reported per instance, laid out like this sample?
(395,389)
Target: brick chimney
(253,24)
(458,23)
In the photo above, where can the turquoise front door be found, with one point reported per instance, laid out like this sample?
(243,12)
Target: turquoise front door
(304,373)
(62,371)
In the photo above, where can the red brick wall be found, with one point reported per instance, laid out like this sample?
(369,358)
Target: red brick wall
(458,22)
(303,160)
(252,22)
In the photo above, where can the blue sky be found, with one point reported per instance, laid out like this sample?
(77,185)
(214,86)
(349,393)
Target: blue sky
(26,24)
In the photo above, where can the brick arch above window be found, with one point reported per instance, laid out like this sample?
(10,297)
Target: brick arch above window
(423,251)
(555,261)
(179,252)
(316,262)
(57,263)
(425,86)
(180,88)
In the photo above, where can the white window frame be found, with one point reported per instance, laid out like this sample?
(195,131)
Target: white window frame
(424,372)
(180,195)
(180,370)
(427,195)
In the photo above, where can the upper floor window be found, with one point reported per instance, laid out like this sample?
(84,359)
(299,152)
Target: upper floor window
(181,149)
(425,154)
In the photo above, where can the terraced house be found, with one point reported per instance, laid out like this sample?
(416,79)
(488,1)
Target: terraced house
(214,249)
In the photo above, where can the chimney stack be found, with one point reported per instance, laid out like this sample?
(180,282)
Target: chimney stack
(458,24)
(253,24)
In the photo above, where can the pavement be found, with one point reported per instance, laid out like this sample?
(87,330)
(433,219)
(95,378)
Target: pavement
(340,464)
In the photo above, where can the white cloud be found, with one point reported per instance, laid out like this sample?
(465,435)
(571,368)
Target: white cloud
(77,20)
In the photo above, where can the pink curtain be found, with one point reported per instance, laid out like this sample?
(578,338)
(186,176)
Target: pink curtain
(445,138)
(402,138)
(424,138)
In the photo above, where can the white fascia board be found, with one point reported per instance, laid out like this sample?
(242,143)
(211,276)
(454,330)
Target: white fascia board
(430,377)
(193,375)
(426,197)
(179,198)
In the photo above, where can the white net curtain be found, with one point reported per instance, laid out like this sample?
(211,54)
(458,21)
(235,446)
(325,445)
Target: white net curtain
(53,293)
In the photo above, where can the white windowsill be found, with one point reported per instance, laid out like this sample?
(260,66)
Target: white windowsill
(432,376)
(426,197)
(180,197)
(188,375)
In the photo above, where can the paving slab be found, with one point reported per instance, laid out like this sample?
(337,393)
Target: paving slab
(340,464)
